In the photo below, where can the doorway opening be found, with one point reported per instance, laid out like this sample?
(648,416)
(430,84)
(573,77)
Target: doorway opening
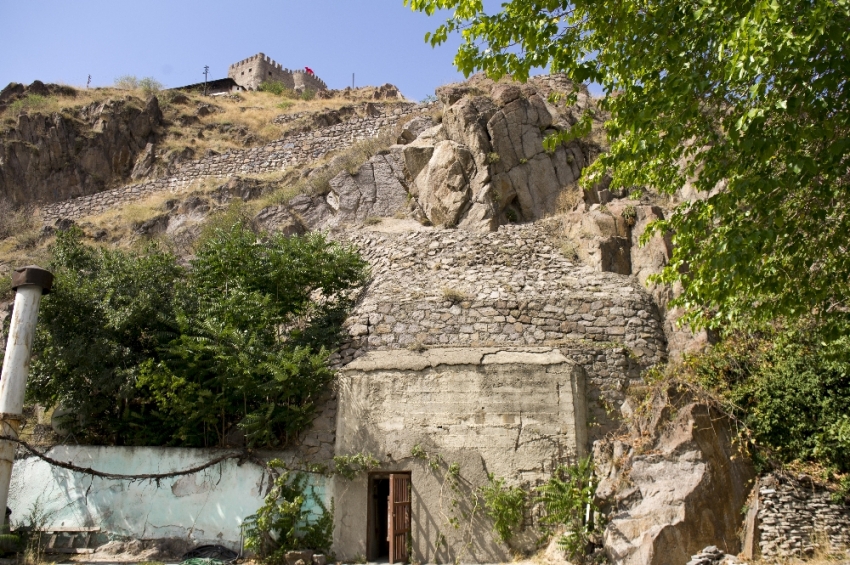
(379,497)
(389,517)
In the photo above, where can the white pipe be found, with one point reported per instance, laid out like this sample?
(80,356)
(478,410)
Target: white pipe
(13,382)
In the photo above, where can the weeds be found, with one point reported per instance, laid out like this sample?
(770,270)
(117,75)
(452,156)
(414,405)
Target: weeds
(504,505)
(569,197)
(629,215)
(454,295)
(31,528)
(33,103)
(21,223)
(567,501)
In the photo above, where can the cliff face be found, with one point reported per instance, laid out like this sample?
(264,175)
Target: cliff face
(48,158)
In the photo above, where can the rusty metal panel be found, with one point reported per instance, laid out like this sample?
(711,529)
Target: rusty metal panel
(399,517)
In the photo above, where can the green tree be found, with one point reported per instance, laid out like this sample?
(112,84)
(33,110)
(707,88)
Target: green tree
(142,351)
(256,319)
(746,99)
(108,312)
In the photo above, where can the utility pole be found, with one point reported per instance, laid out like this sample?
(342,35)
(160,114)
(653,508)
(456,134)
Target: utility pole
(30,283)
(352,81)
(206,72)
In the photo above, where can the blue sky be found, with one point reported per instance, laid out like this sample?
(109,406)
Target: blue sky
(66,40)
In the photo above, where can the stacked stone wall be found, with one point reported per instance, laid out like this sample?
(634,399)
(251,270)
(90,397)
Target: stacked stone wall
(799,518)
(453,288)
(278,155)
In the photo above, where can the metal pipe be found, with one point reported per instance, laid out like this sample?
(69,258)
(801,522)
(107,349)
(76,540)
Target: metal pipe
(30,283)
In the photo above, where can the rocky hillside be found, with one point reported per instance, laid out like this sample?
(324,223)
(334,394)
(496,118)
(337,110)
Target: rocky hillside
(476,236)
(58,142)
(474,161)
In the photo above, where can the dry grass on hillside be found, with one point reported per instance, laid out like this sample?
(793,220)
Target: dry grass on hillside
(251,112)
(236,121)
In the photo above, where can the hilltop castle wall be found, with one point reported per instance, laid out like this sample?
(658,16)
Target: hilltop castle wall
(251,72)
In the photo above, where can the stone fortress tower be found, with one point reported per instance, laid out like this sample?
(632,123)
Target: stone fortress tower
(251,72)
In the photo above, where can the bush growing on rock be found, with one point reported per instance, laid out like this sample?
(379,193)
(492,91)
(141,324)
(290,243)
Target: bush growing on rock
(790,386)
(142,351)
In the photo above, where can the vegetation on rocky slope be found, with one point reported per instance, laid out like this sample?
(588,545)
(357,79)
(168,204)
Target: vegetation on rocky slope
(740,109)
(787,386)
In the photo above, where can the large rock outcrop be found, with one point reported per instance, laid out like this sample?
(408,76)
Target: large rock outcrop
(492,147)
(676,486)
(482,166)
(54,157)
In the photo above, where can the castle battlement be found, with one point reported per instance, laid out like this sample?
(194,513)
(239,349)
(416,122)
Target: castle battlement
(250,73)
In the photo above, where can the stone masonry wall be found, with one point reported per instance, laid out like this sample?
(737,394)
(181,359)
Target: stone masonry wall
(251,72)
(795,516)
(275,156)
(452,288)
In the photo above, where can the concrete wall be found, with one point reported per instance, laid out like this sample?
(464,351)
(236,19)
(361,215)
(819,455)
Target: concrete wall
(207,507)
(514,412)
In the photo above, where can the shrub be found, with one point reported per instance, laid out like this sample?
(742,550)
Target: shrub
(790,386)
(277,88)
(150,86)
(504,505)
(144,351)
(308,94)
(567,501)
(31,102)
(127,82)
(285,521)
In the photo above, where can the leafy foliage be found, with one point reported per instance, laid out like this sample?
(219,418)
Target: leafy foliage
(148,85)
(285,521)
(278,88)
(108,313)
(790,386)
(504,505)
(143,351)
(566,498)
(745,99)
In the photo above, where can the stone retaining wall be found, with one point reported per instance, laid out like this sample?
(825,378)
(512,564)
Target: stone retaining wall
(275,156)
(795,516)
(453,288)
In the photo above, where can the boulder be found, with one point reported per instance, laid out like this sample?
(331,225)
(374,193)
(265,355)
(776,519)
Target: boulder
(655,255)
(144,163)
(502,127)
(602,239)
(443,187)
(312,211)
(412,129)
(683,492)
(279,219)
(292,557)
(375,190)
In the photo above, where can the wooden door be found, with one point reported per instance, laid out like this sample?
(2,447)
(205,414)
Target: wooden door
(399,517)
